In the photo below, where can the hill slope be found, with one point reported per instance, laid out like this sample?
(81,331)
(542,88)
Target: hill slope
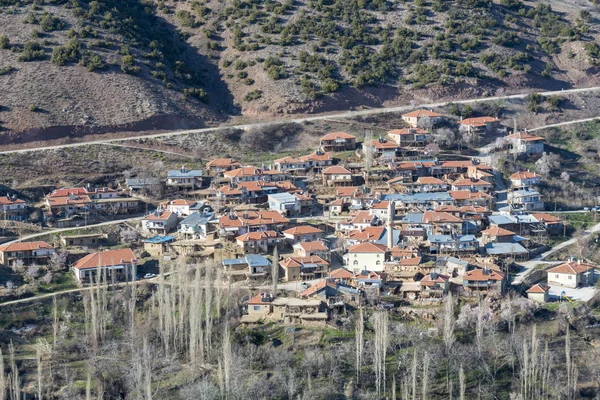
(73,67)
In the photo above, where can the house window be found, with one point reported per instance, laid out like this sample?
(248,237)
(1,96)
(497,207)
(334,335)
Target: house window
(556,276)
(570,276)
(256,308)
(378,262)
(355,262)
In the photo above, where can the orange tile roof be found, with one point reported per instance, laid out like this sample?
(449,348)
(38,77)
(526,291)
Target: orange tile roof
(407,131)
(316,245)
(244,171)
(571,267)
(63,201)
(478,121)
(523,175)
(367,248)
(428,281)
(468,195)
(25,246)
(348,191)
(457,164)
(228,190)
(259,235)
(444,217)
(429,180)
(497,231)
(525,137)
(286,160)
(362,217)
(369,233)
(367,275)
(384,144)
(260,299)
(223,162)
(317,157)
(336,170)
(478,275)
(291,262)
(538,288)
(105,259)
(181,202)
(410,262)
(6,200)
(548,219)
(470,182)
(473,209)
(447,208)
(302,230)
(254,218)
(163,216)
(337,135)
(65,192)
(315,288)
(421,113)
(341,273)
(382,205)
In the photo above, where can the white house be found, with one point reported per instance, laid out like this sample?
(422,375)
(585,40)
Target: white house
(196,225)
(413,118)
(524,143)
(571,274)
(526,199)
(365,257)
(159,222)
(182,207)
(111,264)
(284,203)
(538,292)
(524,179)
(184,178)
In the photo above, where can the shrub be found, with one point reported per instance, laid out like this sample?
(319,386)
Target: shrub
(186,18)
(4,42)
(49,23)
(252,95)
(198,93)
(329,86)
(6,70)
(32,51)
(240,65)
(93,62)
(34,108)
(69,53)
(242,74)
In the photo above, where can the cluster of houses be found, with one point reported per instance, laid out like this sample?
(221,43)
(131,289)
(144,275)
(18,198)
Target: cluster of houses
(404,224)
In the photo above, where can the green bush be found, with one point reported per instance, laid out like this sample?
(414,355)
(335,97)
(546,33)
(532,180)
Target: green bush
(329,86)
(4,42)
(186,18)
(198,93)
(49,23)
(6,70)
(252,95)
(32,51)
(93,62)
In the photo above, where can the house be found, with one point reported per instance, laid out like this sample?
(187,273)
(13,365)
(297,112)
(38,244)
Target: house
(368,279)
(571,274)
(304,268)
(307,204)
(259,242)
(235,224)
(524,143)
(553,224)
(196,225)
(285,203)
(317,160)
(471,198)
(313,248)
(184,208)
(116,205)
(336,207)
(143,185)
(92,193)
(483,279)
(117,265)
(435,285)
(260,305)
(365,257)
(472,184)
(506,250)
(442,223)
(480,125)
(159,222)
(244,174)
(290,164)
(524,179)
(12,208)
(299,312)
(414,118)
(65,207)
(338,141)
(444,244)
(88,240)
(251,267)
(303,233)
(37,252)
(383,148)
(497,234)
(526,199)
(430,184)
(409,137)
(184,178)
(538,292)
(337,176)
(158,245)
(221,165)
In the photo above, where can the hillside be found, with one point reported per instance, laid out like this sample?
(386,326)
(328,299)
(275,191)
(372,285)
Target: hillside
(78,67)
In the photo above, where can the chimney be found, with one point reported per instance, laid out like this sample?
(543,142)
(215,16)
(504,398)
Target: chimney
(391,216)
(578,262)
(182,168)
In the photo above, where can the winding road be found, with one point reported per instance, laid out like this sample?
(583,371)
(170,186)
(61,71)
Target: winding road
(346,114)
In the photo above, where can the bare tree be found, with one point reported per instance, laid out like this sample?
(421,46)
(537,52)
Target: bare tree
(129,235)
(18,266)
(275,268)
(449,322)
(461,378)
(3,383)
(380,325)
(32,272)
(548,163)
(58,260)
(359,337)
(47,278)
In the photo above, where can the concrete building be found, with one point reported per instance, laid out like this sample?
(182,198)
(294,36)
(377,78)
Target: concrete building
(571,274)
(159,222)
(538,292)
(284,203)
(365,257)
(524,143)
(37,252)
(414,118)
(118,265)
(338,141)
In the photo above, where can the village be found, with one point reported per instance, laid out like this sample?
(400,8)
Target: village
(386,221)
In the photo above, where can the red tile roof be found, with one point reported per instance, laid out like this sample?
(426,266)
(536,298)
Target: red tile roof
(25,246)
(302,230)
(434,216)
(7,200)
(341,273)
(253,218)
(523,175)
(244,171)
(260,299)
(429,281)
(291,262)
(163,216)
(106,259)
(429,180)
(538,288)
(322,284)
(468,195)
(470,182)
(368,233)
(336,170)
(367,248)
(421,113)
(479,275)
(525,137)
(255,236)
(571,267)
(337,135)
(497,231)
(407,131)
(317,245)
(478,121)
(223,162)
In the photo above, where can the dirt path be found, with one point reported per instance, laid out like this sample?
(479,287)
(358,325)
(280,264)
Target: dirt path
(577,121)
(347,114)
